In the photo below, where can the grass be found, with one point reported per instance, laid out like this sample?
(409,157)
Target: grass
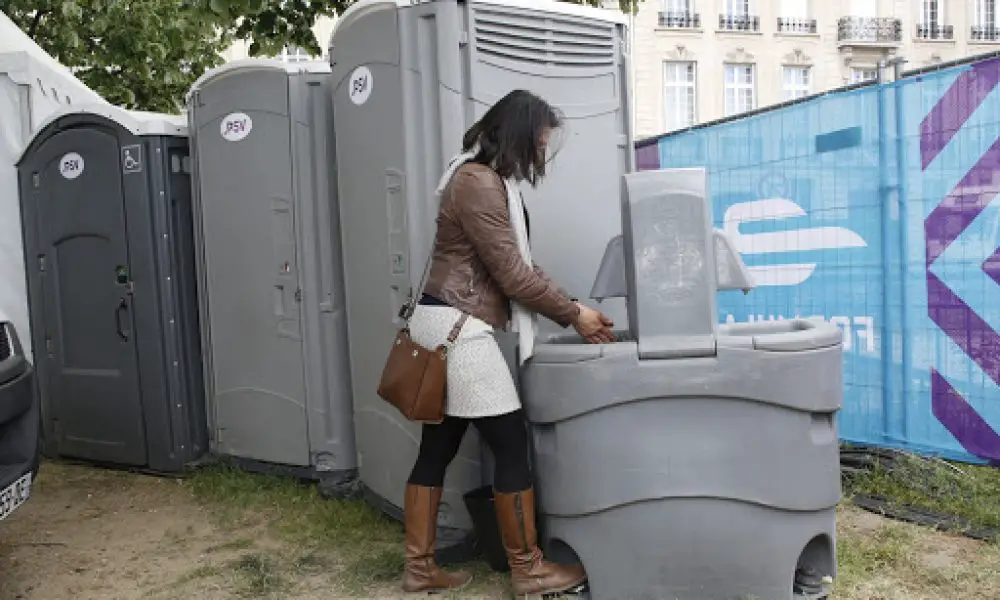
(257,575)
(355,546)
(895,561)
(903,561)
(347,539)
(969,492)
(862,557)
(363,543)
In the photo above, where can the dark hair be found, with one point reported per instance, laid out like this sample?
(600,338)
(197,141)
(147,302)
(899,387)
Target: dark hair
(509,136)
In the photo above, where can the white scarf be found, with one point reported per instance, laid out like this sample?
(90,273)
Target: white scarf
(523,321)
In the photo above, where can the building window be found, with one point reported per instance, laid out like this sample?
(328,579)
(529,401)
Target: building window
(294,54)
(679,14)
(679,95)
(678,6)
(930,13)
(863,74)
(931,24)
(737,8)
(738,16)
(740,89)
(795,82)
(986,25)
(864,8)
(795,17)
(986,13)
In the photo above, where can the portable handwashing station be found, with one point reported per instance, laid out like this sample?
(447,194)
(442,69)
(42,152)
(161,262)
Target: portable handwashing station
(689,460)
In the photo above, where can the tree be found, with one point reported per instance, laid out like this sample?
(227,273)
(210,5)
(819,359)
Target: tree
(626,6)
(141,54)
(272,24)
(145,54)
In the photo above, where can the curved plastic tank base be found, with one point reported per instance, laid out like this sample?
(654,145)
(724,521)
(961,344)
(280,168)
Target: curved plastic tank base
(454,546)
(699,549)
(709,477)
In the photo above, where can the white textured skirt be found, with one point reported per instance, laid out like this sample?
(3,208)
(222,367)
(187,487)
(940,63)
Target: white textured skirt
(479,380)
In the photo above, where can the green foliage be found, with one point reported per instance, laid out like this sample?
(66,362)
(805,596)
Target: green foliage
(627,6)
(271,25)
(141,54)
(145,54)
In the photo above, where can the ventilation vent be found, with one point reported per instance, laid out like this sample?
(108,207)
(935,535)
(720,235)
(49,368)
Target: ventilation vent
(544,40)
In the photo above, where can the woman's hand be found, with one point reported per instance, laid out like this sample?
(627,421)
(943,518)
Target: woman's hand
(594,326)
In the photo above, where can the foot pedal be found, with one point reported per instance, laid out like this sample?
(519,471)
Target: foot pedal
(580,592)
(810,585)
(823,595)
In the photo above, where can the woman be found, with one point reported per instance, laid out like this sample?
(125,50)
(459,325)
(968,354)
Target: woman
(481,268)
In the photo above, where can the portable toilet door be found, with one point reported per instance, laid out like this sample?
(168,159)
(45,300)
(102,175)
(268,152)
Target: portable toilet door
(272,297)
(106,218)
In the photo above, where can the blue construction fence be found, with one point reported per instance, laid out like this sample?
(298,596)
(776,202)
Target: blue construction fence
(875,208)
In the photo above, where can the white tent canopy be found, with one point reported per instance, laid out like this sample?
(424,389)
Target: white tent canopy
(33,86)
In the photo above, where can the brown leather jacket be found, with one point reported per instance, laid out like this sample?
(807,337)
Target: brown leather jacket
(476,266)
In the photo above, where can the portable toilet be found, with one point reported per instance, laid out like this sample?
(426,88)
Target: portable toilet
(106,218)
(687,460)
(274,328)
(409,79)
(32,87)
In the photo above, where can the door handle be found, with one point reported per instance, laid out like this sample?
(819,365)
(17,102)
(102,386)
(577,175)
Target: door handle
(122,305)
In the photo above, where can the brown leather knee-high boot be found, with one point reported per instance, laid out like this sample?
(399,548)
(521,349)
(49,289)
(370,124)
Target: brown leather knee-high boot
(422,574)
(530,573)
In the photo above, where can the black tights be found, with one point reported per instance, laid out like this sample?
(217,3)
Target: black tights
(505,435)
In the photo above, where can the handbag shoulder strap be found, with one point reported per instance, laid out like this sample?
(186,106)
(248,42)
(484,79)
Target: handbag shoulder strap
(406,312)
(457,328)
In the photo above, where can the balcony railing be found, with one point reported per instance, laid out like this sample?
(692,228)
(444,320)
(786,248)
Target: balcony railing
(796,25)
(870,30)
(739,23)
(935,32)
(985,33)
(680,20)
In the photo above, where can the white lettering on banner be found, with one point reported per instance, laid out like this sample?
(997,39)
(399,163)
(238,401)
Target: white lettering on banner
(860,327)
(360,85)
(235,126)
(795,240)
(71,165)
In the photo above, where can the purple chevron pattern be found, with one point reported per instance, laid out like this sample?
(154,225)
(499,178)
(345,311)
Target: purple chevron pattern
(647,158)
(942,227)
(955,107)
(991,266)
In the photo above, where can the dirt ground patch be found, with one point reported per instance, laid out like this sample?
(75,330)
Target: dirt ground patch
(93,534)
(96,534)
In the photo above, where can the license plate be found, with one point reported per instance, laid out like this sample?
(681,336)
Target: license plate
(14,495)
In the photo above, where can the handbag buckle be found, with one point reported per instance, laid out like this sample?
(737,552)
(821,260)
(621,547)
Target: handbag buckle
(406,310)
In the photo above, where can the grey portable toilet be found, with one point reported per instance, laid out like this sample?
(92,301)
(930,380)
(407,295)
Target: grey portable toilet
(409,79)
(106,218)
(270,275)
(688,460)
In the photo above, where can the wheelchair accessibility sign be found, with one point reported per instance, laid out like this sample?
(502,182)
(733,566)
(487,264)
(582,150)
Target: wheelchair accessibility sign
(132,159)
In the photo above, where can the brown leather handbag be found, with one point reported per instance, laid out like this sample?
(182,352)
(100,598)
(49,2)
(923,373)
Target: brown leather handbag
(415,379)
